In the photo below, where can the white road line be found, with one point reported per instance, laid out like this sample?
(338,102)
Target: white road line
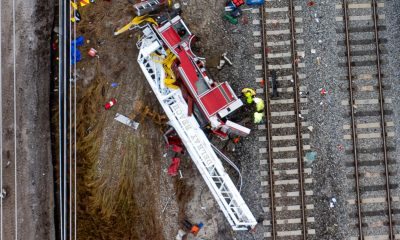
(361,18)
(15,124)
(1,127)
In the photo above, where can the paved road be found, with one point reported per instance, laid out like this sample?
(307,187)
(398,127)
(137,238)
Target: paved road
(25,169)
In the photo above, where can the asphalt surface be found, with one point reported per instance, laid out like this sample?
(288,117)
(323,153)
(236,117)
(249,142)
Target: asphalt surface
(26,169)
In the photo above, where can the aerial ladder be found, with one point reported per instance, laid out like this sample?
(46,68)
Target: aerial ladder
(155,42)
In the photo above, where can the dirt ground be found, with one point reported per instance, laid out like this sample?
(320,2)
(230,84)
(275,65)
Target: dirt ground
(124,189)
(27,209)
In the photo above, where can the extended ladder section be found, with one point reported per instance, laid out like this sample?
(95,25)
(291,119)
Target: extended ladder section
(197,144)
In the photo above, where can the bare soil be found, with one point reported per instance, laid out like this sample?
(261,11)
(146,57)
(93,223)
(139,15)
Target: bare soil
(124,190)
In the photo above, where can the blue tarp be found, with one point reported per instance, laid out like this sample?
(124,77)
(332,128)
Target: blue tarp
(255,2)
(75,53)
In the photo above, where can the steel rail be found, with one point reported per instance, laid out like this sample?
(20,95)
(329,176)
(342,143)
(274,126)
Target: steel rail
(70,138)
(63,76)
(1,125)
(353,123)
(383,122)
(297,115)
(268,124)
(75,187)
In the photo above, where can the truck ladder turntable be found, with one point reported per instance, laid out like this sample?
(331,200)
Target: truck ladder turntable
(196,143)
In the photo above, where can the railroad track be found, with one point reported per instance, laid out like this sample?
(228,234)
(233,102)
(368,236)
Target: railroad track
(289,180)
(374,199)
(66,218)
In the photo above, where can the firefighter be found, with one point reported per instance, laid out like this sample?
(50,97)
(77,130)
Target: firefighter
(258,117)
(259,104)
(259,113)
(249,94)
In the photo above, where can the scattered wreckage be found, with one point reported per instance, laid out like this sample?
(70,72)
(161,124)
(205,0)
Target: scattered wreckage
(194,103)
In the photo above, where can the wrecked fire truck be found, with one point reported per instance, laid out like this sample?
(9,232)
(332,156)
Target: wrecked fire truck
(193,101)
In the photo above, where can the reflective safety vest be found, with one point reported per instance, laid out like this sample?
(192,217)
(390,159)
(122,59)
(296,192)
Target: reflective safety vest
(259,104)
(249,94)
(249,99)
(258,117)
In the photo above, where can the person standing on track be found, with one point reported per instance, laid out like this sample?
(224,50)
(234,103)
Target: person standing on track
(251,98)
(258,116)
(249,94)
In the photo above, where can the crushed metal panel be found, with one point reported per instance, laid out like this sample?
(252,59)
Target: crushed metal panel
(127,121)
